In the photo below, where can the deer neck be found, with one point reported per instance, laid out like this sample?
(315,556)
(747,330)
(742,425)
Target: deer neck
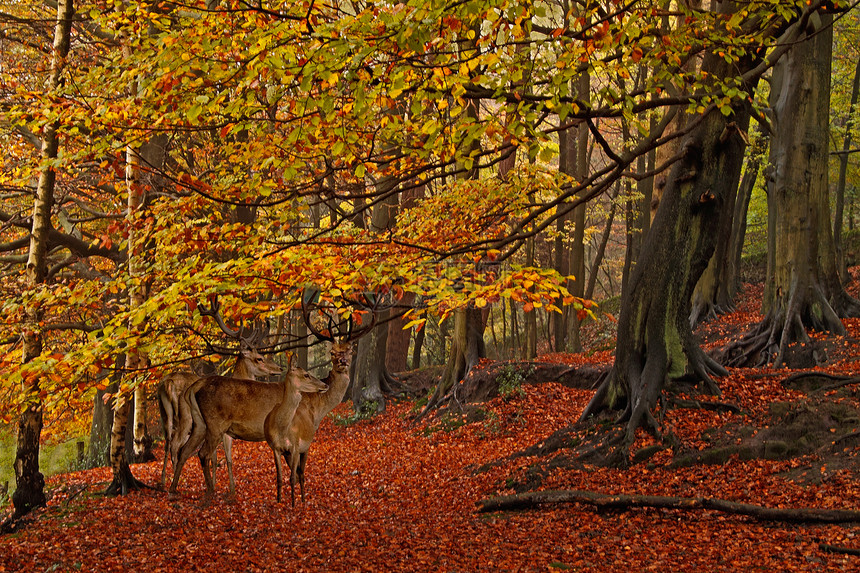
(338,381)
(240,370)
(288,405)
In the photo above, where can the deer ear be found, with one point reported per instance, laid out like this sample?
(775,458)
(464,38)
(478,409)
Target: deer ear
(244,346)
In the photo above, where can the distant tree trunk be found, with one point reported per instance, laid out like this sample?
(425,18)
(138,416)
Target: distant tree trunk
(467,349)
(29,481)
(562,245)
(637,214)
(372,380)
(600,253)
(758,146)
(530,317)
(100,429)
(300,335)
(840,184)
(417,346)
(710,297)
(123,480)
(397,350)
(577,249)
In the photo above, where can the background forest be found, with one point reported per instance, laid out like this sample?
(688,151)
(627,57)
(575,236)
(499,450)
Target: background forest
(452,181)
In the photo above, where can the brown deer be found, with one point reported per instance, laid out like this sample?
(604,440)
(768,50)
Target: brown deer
(249,365)
(295,442)
(238,408)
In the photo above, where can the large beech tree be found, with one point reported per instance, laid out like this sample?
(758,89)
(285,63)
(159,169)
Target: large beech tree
(804,287)
(654,342)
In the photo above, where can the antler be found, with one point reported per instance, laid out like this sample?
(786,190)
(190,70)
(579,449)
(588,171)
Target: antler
(215,313)
(306,316)
(254,339)
(334,330)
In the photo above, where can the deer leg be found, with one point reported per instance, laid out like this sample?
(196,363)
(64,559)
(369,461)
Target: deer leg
(228,454)
(303,459)
(294,462)
(279,472)
(198,433)
(207,451)
(168,441)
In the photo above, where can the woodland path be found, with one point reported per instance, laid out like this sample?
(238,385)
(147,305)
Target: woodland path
(383,495)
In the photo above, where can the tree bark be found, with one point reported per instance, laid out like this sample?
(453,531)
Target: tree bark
(467,349)
(30,483)
(100,429)
(803,288)
(709,296)
(654,340)
(843,171)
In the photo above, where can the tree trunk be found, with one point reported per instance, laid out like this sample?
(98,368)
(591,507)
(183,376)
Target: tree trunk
(654,341)
(467,349)
(417,347)
(561,245)
(739,223)
(29,481)
(803,288)
(397,349)
(370,382)
(840,184)
(123,480)
(709,296)
(100,429)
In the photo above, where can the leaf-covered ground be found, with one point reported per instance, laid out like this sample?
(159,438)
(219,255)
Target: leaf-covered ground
(385,495)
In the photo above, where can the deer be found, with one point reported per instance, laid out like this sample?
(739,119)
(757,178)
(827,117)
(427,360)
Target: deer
(293,441)
(295,444)
(250,364)
(221,405)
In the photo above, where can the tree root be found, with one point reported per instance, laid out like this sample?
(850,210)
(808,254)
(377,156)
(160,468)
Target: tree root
(839,549)
(704,405)
(124,482)
(536,499)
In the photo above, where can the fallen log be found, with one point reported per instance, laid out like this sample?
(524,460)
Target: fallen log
(535,499)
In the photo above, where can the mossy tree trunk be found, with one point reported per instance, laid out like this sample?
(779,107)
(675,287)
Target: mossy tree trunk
(710,297)
(803,288)
(654,341)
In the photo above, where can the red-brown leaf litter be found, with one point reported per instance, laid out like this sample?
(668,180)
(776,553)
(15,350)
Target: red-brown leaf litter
(388,495)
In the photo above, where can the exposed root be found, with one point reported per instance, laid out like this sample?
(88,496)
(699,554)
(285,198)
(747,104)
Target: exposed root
(124,482)
(536,499)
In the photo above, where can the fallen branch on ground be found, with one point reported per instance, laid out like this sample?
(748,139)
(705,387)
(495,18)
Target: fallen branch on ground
(839,549)
(535,499)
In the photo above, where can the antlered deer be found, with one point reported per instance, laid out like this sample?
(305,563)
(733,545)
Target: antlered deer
(249,365)
(238,408)
(293,440)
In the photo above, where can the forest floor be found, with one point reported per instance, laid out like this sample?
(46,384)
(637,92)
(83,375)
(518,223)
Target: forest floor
(389,495)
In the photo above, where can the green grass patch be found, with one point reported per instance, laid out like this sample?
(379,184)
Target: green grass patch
(53,459)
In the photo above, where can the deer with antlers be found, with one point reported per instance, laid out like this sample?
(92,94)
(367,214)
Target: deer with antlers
(293,442)
(238,408)
(250,364)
